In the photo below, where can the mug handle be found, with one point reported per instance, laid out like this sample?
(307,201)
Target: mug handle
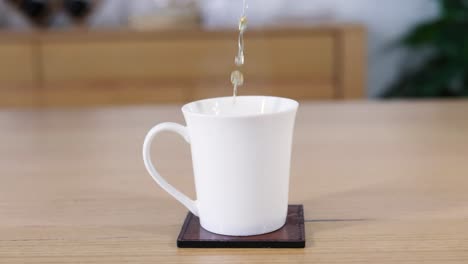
(181,130)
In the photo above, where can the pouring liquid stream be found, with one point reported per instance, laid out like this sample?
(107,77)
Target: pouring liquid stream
(237,78)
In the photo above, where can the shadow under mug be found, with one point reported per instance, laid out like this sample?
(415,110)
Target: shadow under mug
(241,153)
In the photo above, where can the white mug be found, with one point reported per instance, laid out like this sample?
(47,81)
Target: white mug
(241,153)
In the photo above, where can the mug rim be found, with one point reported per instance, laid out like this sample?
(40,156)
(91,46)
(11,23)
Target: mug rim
(292,108)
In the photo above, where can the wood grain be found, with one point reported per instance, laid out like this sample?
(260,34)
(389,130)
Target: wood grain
(381,183)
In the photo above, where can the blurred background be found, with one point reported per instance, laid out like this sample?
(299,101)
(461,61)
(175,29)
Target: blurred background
(110,52)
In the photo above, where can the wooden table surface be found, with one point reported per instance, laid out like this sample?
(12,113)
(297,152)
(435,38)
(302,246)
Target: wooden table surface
(380,182)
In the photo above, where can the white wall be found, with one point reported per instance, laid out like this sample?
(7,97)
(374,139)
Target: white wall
(386,20)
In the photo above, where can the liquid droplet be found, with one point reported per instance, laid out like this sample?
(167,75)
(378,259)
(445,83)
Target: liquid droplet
(237,78)
(243,24)
(239,60)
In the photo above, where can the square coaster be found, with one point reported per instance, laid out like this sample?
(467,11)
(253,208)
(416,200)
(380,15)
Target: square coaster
(291,235)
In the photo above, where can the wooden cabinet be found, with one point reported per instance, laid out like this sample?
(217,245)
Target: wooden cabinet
(18,76)
(94,68)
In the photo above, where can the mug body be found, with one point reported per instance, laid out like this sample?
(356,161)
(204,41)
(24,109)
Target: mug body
(241,154)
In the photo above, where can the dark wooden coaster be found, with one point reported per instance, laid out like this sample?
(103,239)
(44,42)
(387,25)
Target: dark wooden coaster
(291,235)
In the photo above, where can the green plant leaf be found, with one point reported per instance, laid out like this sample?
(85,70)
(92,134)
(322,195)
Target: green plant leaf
(424,34)
(445,72)
(435,79)
(454,9)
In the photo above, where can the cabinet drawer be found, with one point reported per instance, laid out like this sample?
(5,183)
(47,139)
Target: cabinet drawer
(200,65)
